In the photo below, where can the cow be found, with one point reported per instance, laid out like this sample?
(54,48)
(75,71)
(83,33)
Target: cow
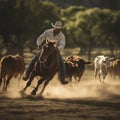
(75,67)
(101,66)
(11,66)
(114,70)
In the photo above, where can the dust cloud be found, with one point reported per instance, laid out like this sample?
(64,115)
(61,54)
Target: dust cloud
(88,87)
(85,89)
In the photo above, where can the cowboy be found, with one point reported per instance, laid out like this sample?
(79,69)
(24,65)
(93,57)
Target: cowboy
(54,34)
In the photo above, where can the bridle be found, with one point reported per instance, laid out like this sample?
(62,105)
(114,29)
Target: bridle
(47,50)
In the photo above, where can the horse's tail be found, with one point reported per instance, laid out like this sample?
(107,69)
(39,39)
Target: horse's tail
(62,70)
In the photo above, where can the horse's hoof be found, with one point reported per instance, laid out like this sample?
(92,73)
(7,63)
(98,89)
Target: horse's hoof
(22,93)
(33,92)
(65,82)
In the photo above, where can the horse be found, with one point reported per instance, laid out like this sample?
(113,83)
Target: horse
(46,67)
(11,66)
(75,67)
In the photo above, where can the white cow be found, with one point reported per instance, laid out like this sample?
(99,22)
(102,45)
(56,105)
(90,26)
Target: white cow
(102,64)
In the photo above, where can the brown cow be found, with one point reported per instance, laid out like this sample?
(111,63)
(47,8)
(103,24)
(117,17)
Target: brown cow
(75,67)
(115,68)
(11,66)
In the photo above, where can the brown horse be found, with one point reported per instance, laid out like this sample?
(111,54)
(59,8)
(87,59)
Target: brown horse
(11,66)
(46,67)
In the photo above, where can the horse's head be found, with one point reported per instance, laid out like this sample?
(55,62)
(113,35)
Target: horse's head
(48,49)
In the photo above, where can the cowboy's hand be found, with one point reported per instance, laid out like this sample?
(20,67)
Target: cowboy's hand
(38,50)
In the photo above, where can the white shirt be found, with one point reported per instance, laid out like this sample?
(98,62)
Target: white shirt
(59,38)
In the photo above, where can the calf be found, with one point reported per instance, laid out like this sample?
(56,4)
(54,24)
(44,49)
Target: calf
(11,66)
(102,64)
(75,67)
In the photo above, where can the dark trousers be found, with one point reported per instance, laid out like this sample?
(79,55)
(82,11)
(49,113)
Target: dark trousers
(61,65)
(31,65)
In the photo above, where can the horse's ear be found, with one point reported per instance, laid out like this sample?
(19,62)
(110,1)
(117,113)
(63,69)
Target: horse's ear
(51,41)
(48,40)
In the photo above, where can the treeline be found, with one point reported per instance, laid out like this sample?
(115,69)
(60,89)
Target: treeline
(91,28)
(22,21)
(109,4)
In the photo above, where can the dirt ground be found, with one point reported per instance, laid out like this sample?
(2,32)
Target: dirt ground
(88,100)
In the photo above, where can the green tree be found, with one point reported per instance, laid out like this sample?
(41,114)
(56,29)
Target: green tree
(93,27)
(23,20)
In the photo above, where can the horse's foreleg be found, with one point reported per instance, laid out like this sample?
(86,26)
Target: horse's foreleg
(35,89)
(28,83)
(45,84)
(22,92)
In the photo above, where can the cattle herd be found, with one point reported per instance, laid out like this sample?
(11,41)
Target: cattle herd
(104,65)
(14,66)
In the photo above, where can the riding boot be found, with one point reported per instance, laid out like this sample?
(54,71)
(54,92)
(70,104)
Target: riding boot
(62,69)
(30,67)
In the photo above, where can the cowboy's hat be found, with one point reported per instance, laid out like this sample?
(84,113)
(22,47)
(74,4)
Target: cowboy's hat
(58,25)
